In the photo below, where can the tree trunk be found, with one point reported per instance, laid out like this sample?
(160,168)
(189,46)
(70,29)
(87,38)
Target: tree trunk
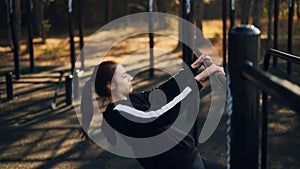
(298,9)
(257,8)
(270,23)
(9,38)
(18,21)
(37,17)
(199,10)
(246,5)
(108,10)
(162,6)
(43,31)
(179,13)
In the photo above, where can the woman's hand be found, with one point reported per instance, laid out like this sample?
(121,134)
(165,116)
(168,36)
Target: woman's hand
(200,60)
(203,76)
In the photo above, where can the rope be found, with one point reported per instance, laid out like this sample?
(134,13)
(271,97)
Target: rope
(229,115)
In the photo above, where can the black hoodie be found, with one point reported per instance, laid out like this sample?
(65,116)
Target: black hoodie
(137,117)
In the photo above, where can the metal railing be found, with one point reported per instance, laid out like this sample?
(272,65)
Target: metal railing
(282,89)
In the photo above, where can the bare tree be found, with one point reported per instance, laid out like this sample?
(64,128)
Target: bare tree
(246,6)
(298,9)
(108,10)
(8,25)
(270,15)
(18,21)
(199,10)
(256,14)
(38,15)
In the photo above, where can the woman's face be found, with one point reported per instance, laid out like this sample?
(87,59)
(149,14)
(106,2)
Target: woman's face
(121,85)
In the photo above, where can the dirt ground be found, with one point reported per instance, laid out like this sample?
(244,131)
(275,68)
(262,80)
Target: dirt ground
(34,136)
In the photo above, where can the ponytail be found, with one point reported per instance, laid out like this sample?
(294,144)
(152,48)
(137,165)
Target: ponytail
(102,75)
(86,108)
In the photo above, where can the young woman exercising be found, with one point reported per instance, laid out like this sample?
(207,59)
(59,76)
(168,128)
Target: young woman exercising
(132,114)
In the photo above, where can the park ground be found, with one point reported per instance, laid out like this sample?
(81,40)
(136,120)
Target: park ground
(34,136)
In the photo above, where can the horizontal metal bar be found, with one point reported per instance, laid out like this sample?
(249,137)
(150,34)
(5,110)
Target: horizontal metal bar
(285,56)
(280,54)
(281,89)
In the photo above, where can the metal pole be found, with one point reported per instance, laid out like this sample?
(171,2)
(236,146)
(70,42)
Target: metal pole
(69,89)
(244,44)
(81,40)
(187,33)
(151,40)
(75,89)
(264,130)
(290,34)
(14,38)
(264,125)
(224,17)
(9,86)
(232,12)
(276,14)
(72,47)
(29,29)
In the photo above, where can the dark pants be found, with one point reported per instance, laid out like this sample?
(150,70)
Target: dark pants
(202,163)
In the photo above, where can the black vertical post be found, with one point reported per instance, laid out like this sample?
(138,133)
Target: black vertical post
(9,86)
(232,12)
(187,31)
(264,125)
(276,15)
(81,40)
(224,18)
(290,34)
(244,44)
(14,37)
(71,36)
(264,129)
(75,89)
(69,89)
(151,39)
(29,29)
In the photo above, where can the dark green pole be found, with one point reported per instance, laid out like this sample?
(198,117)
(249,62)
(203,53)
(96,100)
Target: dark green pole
(244,44)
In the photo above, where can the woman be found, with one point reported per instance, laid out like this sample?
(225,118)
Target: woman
(134,115)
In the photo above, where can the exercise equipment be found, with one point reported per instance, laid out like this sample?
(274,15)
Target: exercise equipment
(53,104)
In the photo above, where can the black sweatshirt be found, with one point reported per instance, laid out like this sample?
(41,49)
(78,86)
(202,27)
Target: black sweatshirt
(138,118)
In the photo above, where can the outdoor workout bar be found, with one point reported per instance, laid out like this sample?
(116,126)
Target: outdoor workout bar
(244,44)
(283,90)
(264,129)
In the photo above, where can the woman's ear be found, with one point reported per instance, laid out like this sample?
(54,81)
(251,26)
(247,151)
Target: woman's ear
(110,86)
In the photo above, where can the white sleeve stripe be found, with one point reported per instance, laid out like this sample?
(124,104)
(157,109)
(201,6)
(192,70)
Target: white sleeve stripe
(155,113)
